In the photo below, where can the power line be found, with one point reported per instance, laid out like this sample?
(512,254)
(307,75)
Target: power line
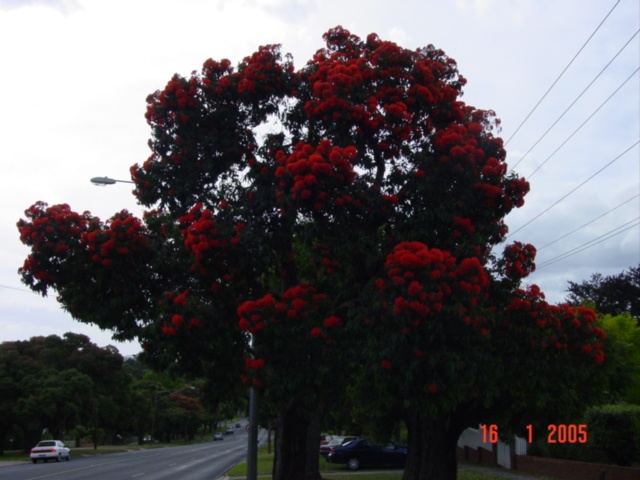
(576,188)
(576,99)
(583,124)
(15,288)
(561,73)
(592,243)
(588,223)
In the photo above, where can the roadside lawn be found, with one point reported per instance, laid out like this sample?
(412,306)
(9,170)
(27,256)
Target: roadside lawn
(332,471)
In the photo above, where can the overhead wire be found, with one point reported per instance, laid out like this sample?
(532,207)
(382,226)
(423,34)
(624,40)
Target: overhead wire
(583,123)
(588,223)
(15,288)
(576,188)
(591,243)
(562,73)
(576,99)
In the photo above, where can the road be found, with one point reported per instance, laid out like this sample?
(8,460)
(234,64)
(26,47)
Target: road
(202,461)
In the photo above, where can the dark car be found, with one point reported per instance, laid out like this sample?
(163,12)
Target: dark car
(336,441)
(363,453)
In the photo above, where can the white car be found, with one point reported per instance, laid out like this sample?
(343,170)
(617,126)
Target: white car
(50,450)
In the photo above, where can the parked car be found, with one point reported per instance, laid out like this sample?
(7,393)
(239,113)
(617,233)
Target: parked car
(50,450)
(229,430)
(218,436)
(335,441)
(363,453)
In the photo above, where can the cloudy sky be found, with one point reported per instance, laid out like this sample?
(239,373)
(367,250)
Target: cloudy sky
(75,75)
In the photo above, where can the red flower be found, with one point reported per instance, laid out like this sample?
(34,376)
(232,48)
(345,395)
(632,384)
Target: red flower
(177,319)
(414,288)
(181,299)
(316,332)
(432,388)
(386,364)
(332,321)
(599,356)
(257,364)
(168,330)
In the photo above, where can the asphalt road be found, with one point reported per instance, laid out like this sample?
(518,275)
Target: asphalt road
(202,461)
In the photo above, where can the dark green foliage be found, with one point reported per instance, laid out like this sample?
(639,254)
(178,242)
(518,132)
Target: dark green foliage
(614,430)
(614,295)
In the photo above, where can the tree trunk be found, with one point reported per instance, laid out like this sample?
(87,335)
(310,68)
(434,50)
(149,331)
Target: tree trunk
(312,470)
(291,442)
(432,448)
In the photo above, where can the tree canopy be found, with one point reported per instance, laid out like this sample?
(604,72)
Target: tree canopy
(353,237)
(613,294)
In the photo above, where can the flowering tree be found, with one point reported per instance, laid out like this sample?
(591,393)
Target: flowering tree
(358,232)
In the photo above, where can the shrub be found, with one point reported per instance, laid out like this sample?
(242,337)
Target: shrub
(614,430)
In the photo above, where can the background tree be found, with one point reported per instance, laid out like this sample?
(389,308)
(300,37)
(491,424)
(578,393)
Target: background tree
(358,233)
(613,295)
(623,343)
(52,382)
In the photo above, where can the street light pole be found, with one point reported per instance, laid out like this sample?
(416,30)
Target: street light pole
(252,450)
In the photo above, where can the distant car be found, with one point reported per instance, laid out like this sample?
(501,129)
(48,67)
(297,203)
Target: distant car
(218,436)
(335,441)
(238,425)
(229,430)
(50,450)
(363,453)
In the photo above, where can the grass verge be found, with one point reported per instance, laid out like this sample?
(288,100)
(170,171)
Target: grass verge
(331,471)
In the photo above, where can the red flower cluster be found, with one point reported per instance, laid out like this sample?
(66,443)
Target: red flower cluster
(457,144)
(422,280)
(519,260)
(299,312)
(315,177)
(300,303)
(556,327)
(180,94)
(209,241)
(182,319)
(463,226)
(52,233)
(261,75)
(468,148)
(122,237)
(388,94)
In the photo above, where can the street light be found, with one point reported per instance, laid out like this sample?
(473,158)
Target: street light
(252,454)
(102,181)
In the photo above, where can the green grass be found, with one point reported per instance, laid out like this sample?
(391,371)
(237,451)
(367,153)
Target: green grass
(332,471)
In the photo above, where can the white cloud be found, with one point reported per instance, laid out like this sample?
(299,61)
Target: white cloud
(64,6)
